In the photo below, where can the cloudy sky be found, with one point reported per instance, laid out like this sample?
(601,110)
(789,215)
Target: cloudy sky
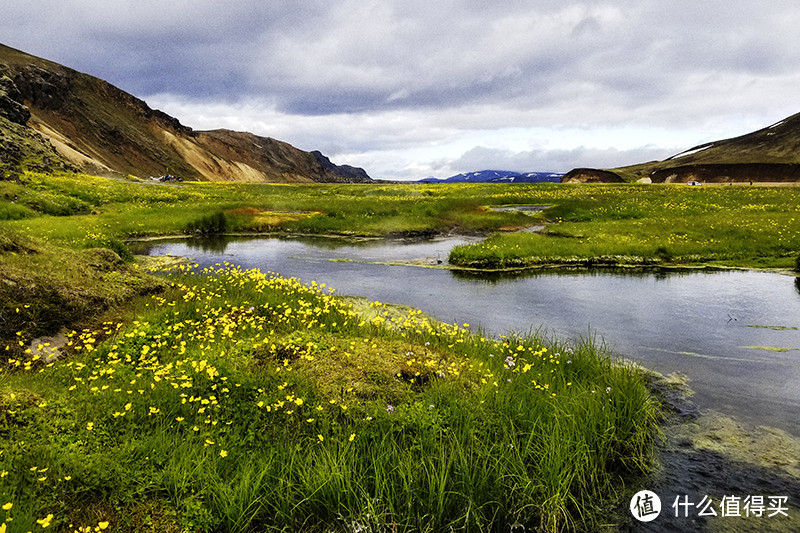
(415,88)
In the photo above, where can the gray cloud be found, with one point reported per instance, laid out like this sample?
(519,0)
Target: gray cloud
(331,57)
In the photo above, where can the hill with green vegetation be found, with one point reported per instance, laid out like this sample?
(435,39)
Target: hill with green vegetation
(55,118)
(771,154)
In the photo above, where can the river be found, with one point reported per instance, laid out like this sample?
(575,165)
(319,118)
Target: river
(734,334)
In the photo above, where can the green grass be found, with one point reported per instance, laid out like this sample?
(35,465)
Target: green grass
(653,225)
(102,208)
(241,402)
(44,287)
(231,401)
(586,224)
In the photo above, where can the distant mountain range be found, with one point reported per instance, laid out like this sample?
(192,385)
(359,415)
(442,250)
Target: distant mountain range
(53,117)
(498,176)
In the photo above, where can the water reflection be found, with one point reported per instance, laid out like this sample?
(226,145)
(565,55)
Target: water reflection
(658,274)
(214,245)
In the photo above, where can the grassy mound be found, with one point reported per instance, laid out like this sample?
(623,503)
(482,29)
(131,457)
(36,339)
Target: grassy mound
(44,288)
(238,401)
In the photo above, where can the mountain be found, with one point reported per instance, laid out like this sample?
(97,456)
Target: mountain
(771,154)
(53,117)
(498,176)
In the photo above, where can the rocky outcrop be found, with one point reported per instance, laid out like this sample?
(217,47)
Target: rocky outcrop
(92,125)
(11,106)
(591,175)
(727,173)
(45,89)
(350,174)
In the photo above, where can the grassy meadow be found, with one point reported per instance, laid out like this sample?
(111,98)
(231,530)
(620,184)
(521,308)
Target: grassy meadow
(589,225)
(238,401)
(230,400)
(667,225)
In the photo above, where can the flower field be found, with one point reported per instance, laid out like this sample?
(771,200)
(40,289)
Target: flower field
(243,401)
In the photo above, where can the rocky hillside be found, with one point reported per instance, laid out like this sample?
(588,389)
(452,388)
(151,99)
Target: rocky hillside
(591,175)
(771,154)
(52,117)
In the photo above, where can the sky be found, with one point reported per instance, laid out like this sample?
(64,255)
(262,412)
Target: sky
(416,88)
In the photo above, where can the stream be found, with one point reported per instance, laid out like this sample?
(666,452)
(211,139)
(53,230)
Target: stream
(734,334)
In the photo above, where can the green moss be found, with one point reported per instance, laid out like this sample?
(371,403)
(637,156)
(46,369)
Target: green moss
(44,288)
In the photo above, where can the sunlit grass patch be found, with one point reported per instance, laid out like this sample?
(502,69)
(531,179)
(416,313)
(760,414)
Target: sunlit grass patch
(771,348)
(640,225)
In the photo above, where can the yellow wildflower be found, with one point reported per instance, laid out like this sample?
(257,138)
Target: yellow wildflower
(45,522)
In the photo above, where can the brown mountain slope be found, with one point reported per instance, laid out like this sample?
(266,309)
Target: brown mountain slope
(99,128)
(771,154)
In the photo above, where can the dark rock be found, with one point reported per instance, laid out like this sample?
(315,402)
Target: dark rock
(45,89)
(726,173)
(11,106)
(591,175)
(347,172)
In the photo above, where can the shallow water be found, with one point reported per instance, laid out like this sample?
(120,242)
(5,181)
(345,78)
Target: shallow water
(702,324)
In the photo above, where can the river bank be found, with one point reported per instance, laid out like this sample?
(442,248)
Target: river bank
(709,454)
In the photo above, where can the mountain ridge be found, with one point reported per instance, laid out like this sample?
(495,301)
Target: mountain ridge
(53,117)
(497,176)
(769,154)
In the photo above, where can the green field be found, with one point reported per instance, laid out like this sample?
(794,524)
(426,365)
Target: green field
(649,225)
(585,224)
(234,401)
(230,400)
